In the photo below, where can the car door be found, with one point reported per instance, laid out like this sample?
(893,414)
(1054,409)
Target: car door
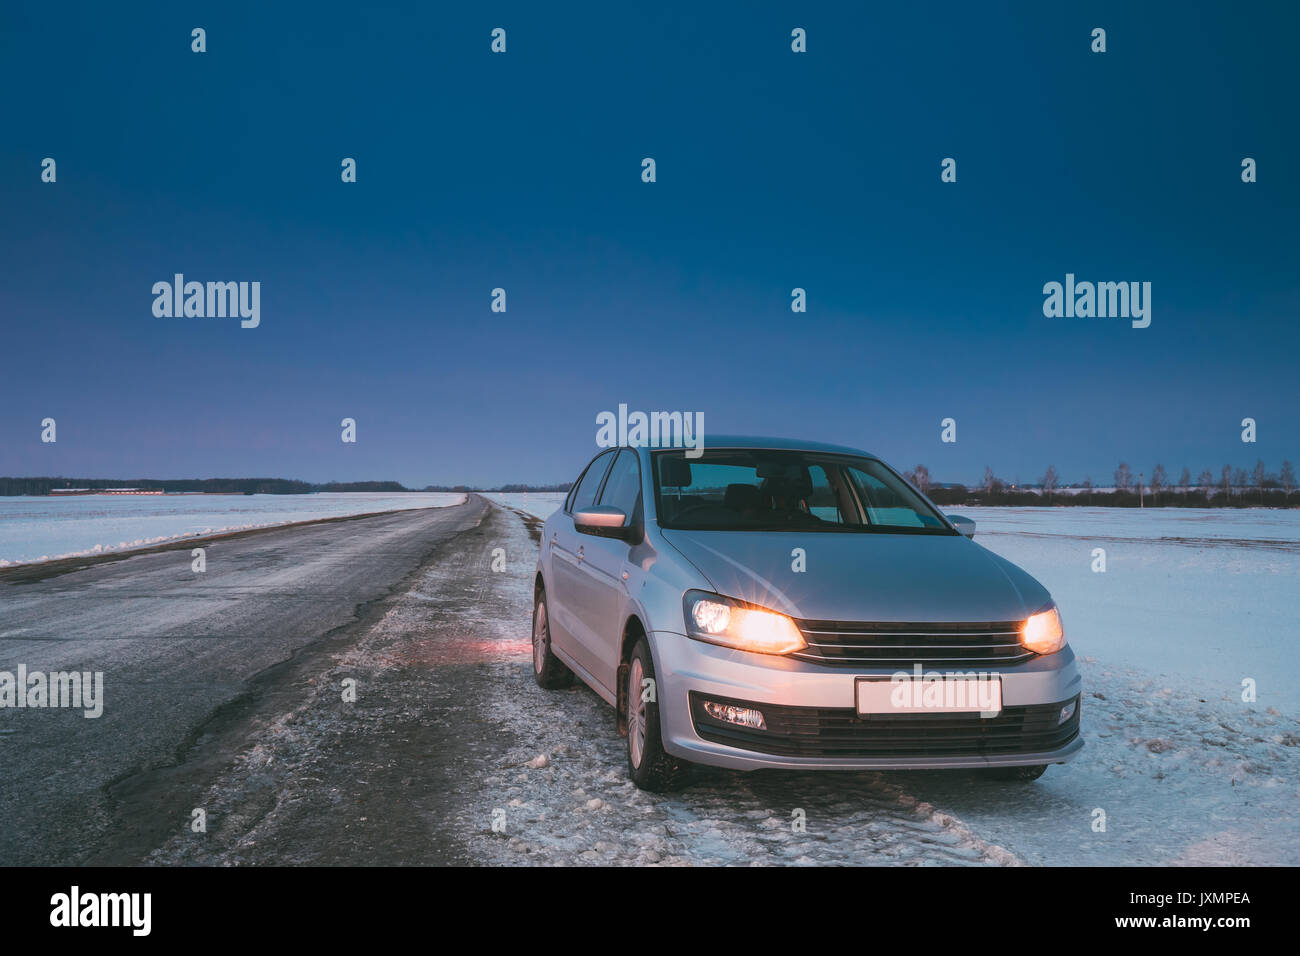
(603,568)
(569,586)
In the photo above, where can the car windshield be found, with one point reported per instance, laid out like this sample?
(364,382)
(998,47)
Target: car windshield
(753,489)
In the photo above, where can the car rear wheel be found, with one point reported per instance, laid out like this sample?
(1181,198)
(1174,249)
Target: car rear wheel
(1016,774)
(648,764)
(548,670)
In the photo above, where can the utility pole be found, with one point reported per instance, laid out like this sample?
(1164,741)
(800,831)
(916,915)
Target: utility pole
(1141,502)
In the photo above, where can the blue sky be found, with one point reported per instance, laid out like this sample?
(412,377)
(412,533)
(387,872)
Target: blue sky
(522,171)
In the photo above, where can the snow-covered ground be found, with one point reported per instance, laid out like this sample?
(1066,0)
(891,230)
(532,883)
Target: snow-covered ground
(540,504)
(1177,767)
(1202,599)
(1185,525)
(42,528)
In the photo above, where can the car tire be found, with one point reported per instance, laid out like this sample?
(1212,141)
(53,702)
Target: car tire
(1016,774)
(648,764)
(548,670)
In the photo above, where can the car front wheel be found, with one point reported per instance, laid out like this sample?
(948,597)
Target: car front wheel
(648,764)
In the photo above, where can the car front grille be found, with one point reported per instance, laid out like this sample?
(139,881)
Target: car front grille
(866,644)
(841,732)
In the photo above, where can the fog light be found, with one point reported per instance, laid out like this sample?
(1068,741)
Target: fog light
(1067,712)
(728,713)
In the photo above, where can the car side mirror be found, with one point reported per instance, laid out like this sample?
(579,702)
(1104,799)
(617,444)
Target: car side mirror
(963,524)
(603,522)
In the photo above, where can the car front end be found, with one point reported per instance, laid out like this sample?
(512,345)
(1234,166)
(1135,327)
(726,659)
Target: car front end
(801,710)
(831,644)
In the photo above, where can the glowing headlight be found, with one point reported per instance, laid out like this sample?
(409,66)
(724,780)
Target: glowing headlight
(1042,633)
(719,620)
(711,617)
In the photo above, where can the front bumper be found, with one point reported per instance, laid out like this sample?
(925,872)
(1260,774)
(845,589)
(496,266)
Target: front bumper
(813,722)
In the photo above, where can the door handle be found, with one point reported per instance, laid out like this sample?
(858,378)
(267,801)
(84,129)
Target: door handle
(579,553)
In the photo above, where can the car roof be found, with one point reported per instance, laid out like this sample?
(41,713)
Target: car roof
(778,444)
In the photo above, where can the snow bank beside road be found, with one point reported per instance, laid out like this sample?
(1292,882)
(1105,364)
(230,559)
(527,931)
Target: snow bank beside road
(539,504)
(48,528)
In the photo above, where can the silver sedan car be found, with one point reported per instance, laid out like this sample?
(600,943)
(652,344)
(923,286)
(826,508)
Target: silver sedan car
(772,603)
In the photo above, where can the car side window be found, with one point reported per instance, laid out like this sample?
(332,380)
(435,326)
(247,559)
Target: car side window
(584,496)
(824,501)
(886,505)
(624,485)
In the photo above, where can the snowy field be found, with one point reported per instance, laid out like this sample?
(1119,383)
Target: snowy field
(42,528)
(1185,525)
(541,504)
(1202,597)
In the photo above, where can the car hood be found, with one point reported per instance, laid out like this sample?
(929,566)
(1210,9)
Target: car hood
(863,576)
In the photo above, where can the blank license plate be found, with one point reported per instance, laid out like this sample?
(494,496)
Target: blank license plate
(947,695)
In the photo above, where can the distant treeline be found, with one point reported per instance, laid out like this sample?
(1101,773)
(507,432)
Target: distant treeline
(236,486)
(360,486)
(1110,498)
(1229,488)
(213,486)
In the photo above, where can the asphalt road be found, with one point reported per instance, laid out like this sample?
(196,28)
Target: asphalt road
(183,655)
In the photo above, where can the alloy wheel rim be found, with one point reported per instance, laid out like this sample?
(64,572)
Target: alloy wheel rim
(636,713)
(539,638)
